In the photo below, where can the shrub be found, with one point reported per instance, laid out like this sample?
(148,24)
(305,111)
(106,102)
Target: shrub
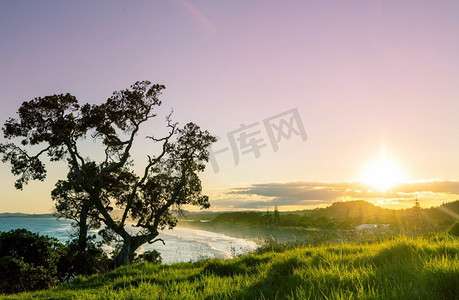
(27,261)
(150,256)
(73,262)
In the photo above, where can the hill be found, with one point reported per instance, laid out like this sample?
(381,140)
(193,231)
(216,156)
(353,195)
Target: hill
(345,215)
(24,215)
(400,268)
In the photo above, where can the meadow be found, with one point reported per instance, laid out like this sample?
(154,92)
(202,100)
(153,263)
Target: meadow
(393,268)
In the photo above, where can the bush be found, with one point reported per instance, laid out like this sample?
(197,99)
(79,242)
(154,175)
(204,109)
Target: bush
(27,261)
(18,276)
(150,256)
(73,262)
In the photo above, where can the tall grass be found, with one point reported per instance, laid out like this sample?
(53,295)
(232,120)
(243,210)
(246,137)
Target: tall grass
(398,268)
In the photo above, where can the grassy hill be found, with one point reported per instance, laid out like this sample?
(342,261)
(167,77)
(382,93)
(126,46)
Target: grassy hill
(398,268)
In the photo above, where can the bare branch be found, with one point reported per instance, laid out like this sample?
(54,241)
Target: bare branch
(157,240)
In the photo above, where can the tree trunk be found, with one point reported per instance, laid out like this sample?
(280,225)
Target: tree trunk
(130,245)
(122,259)
(83,228)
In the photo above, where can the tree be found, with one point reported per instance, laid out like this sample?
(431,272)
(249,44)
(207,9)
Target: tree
(417,205)
(56,125)
(417,220)
(276,217)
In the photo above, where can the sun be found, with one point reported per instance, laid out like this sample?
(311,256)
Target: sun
(382,174)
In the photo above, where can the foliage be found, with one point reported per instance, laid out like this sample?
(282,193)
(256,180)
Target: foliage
(19,276)
(152,256)
(399,268)
(74,262)
(28,261)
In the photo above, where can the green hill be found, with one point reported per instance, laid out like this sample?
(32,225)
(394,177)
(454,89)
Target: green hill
(399,268)
(347,215)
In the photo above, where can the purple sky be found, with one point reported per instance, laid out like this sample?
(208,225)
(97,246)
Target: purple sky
(362,74)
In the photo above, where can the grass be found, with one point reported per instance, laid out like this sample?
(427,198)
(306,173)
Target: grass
(397,268)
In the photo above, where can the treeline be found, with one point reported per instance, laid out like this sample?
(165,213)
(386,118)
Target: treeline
(348,215)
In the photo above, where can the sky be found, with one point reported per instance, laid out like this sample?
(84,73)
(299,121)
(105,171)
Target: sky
(340,85)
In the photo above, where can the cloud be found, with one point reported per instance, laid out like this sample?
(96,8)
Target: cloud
(261,204)
(282,194)
(290,192)
(258,196)
(434,186)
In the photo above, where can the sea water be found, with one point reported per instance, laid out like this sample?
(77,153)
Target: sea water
(181,244)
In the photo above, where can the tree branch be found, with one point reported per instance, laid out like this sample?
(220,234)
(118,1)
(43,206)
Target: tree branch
(157,240)
(151,163)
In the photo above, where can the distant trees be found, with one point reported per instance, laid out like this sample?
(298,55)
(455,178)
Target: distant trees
(348,215)
(276,216)
(420,221)
(56,126)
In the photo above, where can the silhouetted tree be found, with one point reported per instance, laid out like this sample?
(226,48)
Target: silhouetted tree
(56,125)
(276,216)
(418,222)
(417,205)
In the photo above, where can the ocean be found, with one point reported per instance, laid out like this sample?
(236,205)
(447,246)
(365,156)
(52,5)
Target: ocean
(181,244)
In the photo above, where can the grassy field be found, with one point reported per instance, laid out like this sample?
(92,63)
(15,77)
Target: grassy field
(399,268)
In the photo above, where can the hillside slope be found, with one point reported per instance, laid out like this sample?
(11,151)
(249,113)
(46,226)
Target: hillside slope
(401,268)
